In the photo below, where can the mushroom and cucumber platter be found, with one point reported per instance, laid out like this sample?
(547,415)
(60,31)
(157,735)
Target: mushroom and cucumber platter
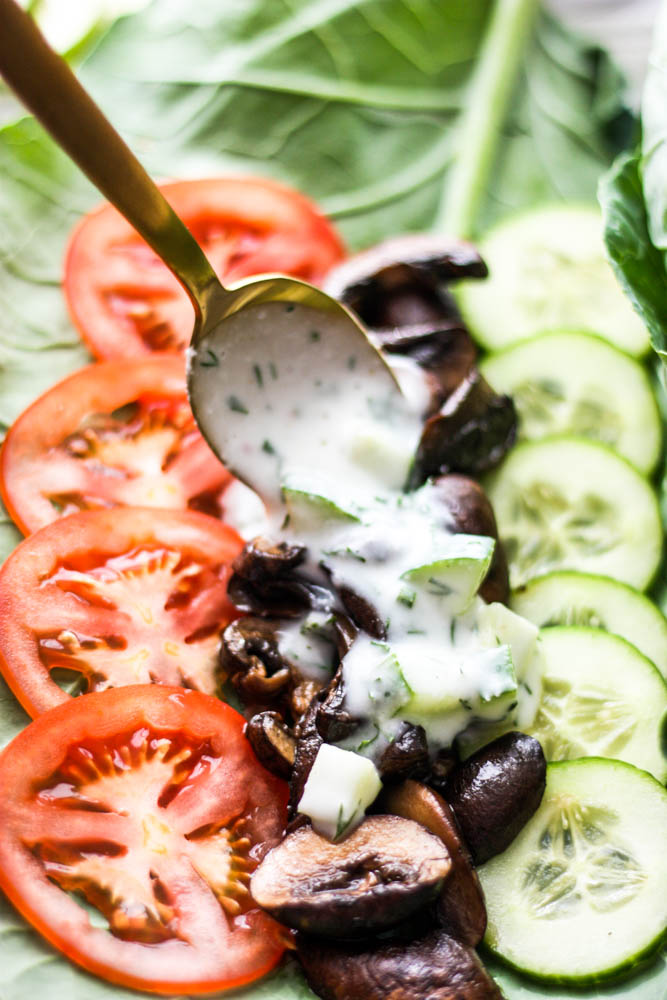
(333,654)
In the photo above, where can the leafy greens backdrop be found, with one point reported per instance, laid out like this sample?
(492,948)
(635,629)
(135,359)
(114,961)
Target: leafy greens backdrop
(361,104)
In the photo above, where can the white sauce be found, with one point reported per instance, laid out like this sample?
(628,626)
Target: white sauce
(308,415)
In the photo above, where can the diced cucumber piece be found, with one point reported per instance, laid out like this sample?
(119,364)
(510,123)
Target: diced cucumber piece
(567,503)
(340,787)
(573,383)
(311,505)
(497,624)
(570,598)
(600,698)
(481,681)
(456,574)
(548,271)
(579,895)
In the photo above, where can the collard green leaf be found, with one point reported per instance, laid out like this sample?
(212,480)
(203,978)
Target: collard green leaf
(654,139)
(637,262)
(357,103)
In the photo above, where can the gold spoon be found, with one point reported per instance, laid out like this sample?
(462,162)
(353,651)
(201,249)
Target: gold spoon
(45,83)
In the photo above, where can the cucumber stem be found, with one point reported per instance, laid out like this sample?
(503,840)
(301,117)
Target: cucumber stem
(486,102)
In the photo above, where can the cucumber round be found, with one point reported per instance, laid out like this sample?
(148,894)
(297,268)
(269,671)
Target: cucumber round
(579,896)
(548,270)
(600,698)
(568,503)
(570,598)
(574,383)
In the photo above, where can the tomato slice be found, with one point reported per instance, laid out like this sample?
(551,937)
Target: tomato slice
(148,803)
(126,303)
(119,597)
(110,434)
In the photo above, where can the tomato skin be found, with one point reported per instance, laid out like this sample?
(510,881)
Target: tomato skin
(38,465)
(125,303)
(204,950)
(54,583)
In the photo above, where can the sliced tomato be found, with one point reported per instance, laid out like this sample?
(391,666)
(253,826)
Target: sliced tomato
(117,597)
(111,434)
(126,303)
(148,803)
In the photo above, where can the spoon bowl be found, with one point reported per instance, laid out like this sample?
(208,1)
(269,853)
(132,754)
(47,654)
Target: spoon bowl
(45,83)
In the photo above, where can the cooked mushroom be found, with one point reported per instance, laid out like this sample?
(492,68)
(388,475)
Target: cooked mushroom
(272,742)
(249,654)
(333,721)
(444,351)
(461,909)
(265,580)
(471,513)
(374,281)
(496,791)
(406,756)
(471,433)
(435,967)
(386,869)
(361,611)
(308,742)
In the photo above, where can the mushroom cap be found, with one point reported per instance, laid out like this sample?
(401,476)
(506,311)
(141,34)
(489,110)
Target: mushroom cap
(435,966)
(386,869)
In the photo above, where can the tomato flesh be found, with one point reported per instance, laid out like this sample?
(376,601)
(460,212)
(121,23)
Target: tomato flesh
(148,803)
(110,435)
(118,597)
(126,303)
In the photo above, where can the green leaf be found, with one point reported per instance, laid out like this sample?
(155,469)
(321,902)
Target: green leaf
(634,199)
(637,262)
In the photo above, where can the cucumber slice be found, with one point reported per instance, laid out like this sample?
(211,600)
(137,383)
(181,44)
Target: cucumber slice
(548,271)
(567,503)
(573,383)
(568,598)
(579,896)
(600,698)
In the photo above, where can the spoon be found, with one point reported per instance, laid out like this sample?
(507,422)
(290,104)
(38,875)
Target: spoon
(231,324)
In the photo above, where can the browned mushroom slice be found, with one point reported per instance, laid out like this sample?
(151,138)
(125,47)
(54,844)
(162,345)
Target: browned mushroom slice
(461,908)
(308,742)
(333,721)
(406,756)
(496,791)
(249,655)
(386,869)
(471,433)
(265,580)
(445,351)
(472,514)
(371,282)
(435,967)
(272,742)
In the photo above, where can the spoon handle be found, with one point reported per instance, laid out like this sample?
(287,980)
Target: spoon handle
(45,83)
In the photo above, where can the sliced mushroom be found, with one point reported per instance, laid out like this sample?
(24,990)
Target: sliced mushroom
(333,721)
(386,869)
(249,654)
(308,742)
(461,909)
(471,513)
(444,350)
(496,791)
(361,611)
(407,756)
(435,967)
(374,281)
(273,743)
(265,580)
(471,433)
